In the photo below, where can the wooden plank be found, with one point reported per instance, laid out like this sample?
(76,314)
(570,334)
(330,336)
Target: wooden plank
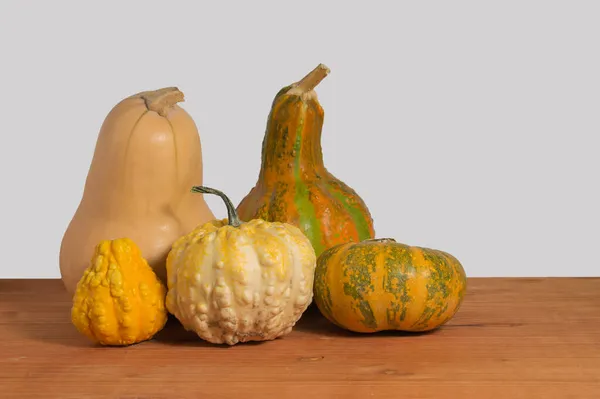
(513,338)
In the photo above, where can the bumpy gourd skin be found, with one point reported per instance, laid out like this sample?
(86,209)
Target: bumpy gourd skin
(119,300)
(233,284)
(380,284)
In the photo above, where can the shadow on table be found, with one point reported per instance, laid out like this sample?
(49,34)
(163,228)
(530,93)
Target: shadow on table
(174,334)
(313,322)
(50,325)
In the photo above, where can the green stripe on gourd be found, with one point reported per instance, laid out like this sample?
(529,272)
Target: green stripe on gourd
(306,210)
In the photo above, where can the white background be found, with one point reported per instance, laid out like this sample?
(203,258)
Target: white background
(466,126)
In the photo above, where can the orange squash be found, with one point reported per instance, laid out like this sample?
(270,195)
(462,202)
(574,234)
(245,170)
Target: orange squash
(293,185)
(147,156)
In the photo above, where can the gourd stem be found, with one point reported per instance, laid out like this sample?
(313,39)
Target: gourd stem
(311,80)
(231,212)
(161,100)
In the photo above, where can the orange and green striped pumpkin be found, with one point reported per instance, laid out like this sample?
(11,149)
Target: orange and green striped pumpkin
(380,284)
(293,184)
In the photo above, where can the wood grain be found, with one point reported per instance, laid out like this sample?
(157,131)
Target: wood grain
(512,338)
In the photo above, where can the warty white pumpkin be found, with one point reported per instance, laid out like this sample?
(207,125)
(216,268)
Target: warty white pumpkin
(231,281)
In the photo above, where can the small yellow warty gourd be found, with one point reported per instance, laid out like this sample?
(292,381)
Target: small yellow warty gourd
(231,281)
(119,300)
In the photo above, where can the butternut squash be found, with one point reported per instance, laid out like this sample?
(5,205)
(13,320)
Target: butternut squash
(147,156)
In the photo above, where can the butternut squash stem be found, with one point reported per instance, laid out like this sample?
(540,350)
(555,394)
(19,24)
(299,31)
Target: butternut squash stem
(232,215)
(310,81)
(162,100)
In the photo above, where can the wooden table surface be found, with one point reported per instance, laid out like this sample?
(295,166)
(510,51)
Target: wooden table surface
(512,338)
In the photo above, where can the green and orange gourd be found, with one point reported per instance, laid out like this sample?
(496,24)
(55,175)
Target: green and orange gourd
(293,185)
(381,284)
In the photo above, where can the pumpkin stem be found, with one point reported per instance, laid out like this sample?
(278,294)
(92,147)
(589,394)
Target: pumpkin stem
(380,240)
(310,81)
(232,215)
(162,100)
